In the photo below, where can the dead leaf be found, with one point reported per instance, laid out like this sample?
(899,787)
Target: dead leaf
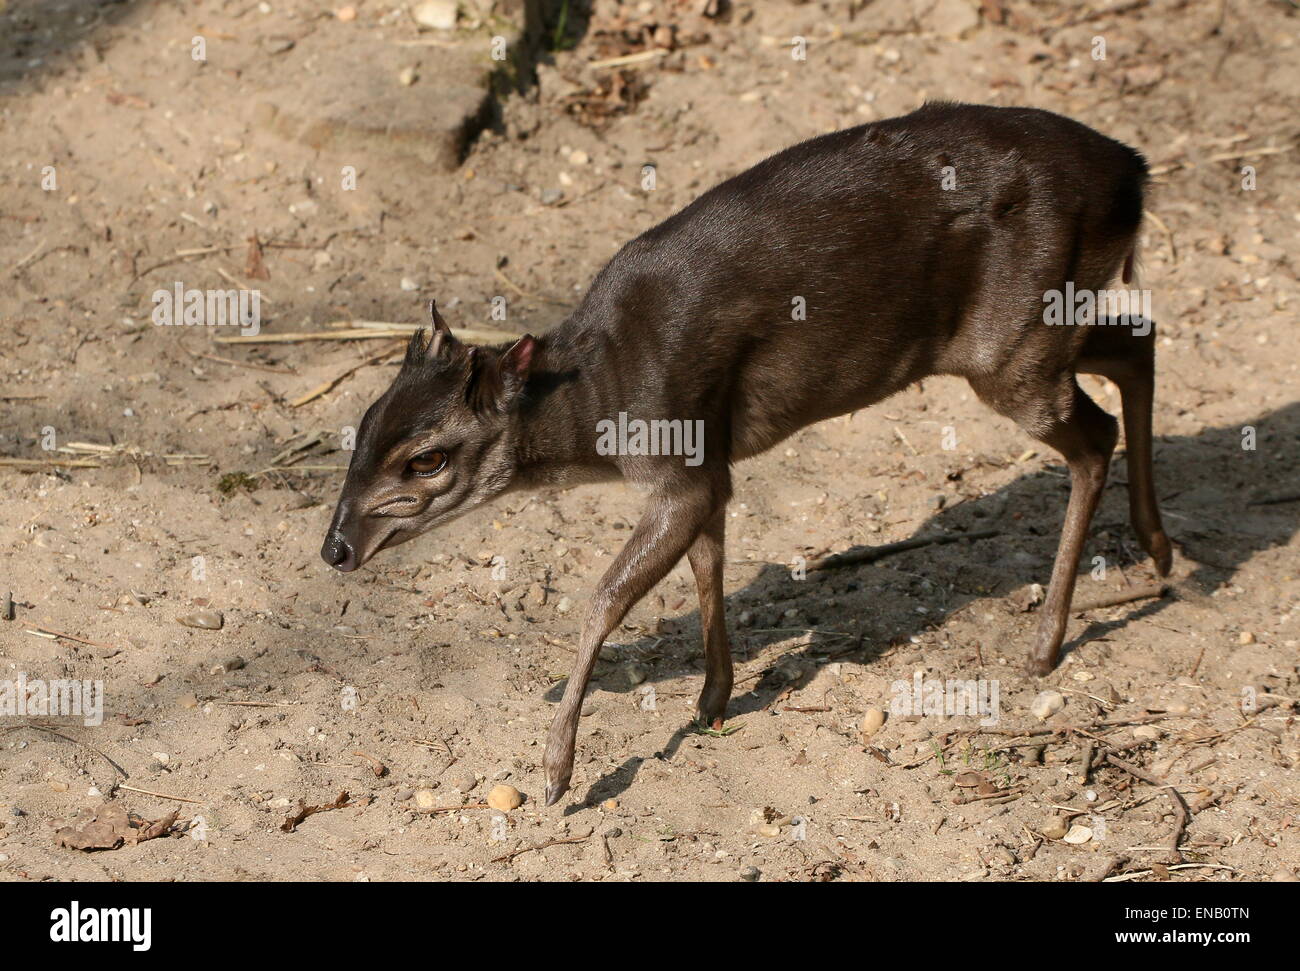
(110,826)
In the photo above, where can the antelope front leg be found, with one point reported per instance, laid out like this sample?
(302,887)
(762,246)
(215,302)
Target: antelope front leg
(666,531)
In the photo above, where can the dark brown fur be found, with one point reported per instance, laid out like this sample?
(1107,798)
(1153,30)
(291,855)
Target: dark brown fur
(693,320)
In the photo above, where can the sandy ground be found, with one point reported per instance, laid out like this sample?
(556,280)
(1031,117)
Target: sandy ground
(440,662)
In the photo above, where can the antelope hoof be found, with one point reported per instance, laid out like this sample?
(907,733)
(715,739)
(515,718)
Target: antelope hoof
(555,791)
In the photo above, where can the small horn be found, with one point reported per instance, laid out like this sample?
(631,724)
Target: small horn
(438,323)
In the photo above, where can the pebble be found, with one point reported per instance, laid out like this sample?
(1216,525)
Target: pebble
(406,78)
(749,874)
(346,14)
(1245,637)
(203,619)
(1146,732)
(578,157)
(564,606)
(1002,855)
(436,14)
(403,794)
(1078,834)
(1055,828)
(228,665)
(463,781)
(635,673)
(505,798)
(770,830)
(551,196)
(408,284)
(871,723)
(1047,704)
(609,805)
(425,799)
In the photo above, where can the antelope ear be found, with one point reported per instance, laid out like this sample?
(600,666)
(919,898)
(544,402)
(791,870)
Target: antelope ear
(497,378)
(517,363)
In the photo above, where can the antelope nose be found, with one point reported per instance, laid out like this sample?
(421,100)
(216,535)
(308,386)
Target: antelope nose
(338,553)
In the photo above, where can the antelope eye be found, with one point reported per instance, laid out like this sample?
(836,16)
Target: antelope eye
(428,463)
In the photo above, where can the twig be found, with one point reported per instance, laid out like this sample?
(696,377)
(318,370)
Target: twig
(362,334)
(626,59)
(70,637)
(1154,590)
(159,795)
(329,385)
(247,364)
(452,809)
(1180,807)
(1124,877)
(870,554)
(70,738)
(540,846)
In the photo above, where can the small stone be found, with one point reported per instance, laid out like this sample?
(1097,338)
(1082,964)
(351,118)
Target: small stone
(564,606)
(202,619)
(1055,828)
(407,77)
(550,197)
(871,723)
(1002,856)
(408,284)
(436,14)
(1148,733)
(463,781)
(505,798)
(749,874)
(228,665)
(1047,704)
(1078,834)
(401,795)
(770,830)
(1245,637)
(578,157)
(346,14)
(609,805)
(425,799)
(635,673)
